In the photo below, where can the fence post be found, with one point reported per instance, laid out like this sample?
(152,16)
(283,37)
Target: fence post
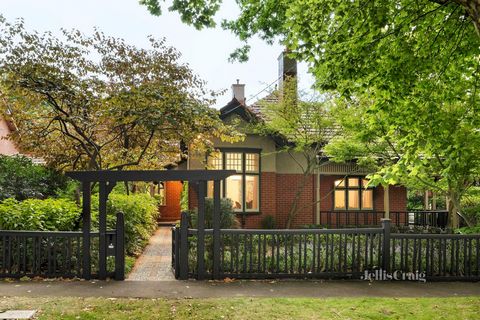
(183,259)
(120,247)
(386,245)
(216,229)
(86,217)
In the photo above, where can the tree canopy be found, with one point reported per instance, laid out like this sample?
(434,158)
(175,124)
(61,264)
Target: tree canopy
(404,74)
(95,102)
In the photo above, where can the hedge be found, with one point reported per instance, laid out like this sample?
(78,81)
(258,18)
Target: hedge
(35,214)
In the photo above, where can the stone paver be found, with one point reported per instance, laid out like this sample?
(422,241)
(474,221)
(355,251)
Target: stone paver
(155,262)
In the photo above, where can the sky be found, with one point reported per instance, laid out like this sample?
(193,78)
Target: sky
(205,51)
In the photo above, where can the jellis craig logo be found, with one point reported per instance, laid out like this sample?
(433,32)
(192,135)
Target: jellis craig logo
(397,275)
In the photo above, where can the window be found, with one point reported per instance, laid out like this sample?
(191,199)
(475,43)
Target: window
(242,188)
(352,194)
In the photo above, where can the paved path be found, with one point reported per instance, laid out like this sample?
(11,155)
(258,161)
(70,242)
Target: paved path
(155,262)
(210,289)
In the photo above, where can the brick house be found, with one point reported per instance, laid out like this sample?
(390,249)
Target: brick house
(267,179)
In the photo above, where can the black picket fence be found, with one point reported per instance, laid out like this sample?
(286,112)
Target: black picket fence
(58,254)
(322,253)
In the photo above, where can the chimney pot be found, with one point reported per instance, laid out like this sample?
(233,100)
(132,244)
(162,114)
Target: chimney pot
(287,67)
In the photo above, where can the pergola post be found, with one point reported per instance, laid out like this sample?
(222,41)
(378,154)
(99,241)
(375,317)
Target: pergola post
(102,231)
(386,201)
(201,230)
(216,229)
(87,218)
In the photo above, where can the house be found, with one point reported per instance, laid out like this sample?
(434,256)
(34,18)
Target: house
(7,147)
(267,179)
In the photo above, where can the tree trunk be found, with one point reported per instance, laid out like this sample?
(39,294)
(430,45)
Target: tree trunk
(294,208)
(454,208)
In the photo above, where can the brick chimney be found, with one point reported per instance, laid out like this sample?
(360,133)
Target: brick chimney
(238,91)
(287,67)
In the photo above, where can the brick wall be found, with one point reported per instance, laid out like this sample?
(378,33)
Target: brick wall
(278,193)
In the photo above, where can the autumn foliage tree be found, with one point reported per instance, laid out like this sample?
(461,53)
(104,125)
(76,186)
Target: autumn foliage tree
(95,102)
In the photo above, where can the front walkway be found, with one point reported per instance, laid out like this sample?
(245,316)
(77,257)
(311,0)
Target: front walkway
(155,262)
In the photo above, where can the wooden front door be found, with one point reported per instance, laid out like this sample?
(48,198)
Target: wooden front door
(170,208)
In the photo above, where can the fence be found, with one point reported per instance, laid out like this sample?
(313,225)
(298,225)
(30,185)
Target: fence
(322,253)
(58,254)
(340,219)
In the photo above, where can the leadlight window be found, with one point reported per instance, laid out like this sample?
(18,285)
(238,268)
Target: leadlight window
(352,194)
(242,188)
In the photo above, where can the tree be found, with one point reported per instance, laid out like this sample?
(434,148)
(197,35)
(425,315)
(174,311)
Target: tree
(305,126)
(408,69)
(95,102)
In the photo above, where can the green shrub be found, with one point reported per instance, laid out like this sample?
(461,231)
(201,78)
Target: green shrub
(35,214)
(228,219)
(471,206)
(140,212)
(268,222)
(21,179)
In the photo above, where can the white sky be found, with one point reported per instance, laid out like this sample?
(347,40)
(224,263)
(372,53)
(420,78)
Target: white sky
(205,51)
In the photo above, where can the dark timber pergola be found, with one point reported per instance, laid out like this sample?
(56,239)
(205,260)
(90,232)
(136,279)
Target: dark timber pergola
(108,179)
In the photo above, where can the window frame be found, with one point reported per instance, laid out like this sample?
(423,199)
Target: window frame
(346,188)
(244,174)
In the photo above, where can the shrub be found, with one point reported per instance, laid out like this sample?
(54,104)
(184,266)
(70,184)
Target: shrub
(228,219)
(268,222)
(140,212)
(471,206)
(21,179)
(35,214)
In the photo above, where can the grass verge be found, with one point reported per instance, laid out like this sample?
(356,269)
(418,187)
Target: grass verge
(248,308)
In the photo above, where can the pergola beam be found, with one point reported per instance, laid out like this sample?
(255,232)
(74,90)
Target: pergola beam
(150,175)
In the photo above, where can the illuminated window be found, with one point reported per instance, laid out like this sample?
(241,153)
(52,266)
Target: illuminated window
(242,188)
(352,194)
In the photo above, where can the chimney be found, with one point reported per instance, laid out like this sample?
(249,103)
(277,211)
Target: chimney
(287,67)
(238,91)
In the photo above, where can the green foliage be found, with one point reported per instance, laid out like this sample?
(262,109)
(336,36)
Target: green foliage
(184,197)
(268,222)
(471,206)
(35,214)
(140,212)
(227,215)
(21,179)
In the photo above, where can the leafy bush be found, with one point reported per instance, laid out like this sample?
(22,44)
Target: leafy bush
(140,212)
(228,219)
(35,214)
(471,206)
(268,222)
(21,179)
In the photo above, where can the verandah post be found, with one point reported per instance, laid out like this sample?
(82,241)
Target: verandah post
(201,230)
(216,229)
(386,245)
(183,259)
(120,247)
(86,217)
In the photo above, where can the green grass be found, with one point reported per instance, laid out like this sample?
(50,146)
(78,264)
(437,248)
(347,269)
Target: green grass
(249,308)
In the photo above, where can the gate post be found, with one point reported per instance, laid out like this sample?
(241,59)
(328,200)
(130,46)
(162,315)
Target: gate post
(183,259)
(120,247)
(386,245)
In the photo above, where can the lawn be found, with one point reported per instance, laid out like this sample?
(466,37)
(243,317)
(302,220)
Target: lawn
(249,308)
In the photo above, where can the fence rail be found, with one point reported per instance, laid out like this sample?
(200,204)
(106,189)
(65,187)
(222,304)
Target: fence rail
(322,253)
(57,254)
(340,219)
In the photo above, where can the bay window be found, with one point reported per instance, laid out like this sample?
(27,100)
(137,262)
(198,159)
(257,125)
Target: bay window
(243,188)
(352,194)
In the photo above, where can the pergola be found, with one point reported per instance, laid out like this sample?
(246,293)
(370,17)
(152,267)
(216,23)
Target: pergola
(108,179)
